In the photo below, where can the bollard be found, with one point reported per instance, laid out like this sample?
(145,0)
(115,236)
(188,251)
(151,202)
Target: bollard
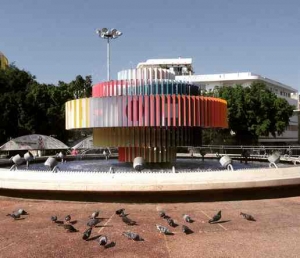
(138,163)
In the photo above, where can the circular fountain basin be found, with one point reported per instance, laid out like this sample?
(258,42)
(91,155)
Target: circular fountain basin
(181,165)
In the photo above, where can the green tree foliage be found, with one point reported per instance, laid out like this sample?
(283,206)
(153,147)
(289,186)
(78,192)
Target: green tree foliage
(255,111)
(30,107)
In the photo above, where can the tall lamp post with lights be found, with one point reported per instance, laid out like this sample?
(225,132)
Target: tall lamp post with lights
(108,34)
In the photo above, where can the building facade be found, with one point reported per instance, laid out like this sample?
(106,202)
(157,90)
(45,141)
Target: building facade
(184,72)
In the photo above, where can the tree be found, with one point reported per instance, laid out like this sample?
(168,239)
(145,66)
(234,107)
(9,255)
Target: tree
(255,111)
(30,107)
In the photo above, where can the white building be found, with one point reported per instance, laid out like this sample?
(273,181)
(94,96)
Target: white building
(183,69)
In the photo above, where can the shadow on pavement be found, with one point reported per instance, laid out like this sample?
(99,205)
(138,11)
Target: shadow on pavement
(159,197)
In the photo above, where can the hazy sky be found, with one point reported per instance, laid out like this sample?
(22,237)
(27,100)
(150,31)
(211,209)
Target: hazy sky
(56,40)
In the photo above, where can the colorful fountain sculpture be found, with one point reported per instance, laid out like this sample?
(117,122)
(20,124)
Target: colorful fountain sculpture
(146,113)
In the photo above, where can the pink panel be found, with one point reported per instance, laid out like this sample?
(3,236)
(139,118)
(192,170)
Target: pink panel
(158,111)
(141,111)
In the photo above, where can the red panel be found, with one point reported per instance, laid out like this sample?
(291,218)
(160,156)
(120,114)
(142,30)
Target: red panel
(209,104)
(147,110)
(163,109)
(202,106)
(141,111)
(214,112)
(113,85)
(169,110)
(179,110)
(130,111)
(152,110)
(101,90)
(121,152)
(135,111)
(158,111)
(185,109)
(189,111)
(125,111)
(174,109)
(194,121)
(205,112)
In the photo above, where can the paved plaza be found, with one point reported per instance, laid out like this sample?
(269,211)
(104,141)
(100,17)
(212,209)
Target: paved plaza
(276,232)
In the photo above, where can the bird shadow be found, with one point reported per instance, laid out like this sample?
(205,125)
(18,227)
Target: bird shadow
(110,245)
(20,219)
(73,222)
(131,224)
(174,225)
(220,222)
(139,240)
(93,238)
(59,222)
(189,232)
(192,221)
(169,234)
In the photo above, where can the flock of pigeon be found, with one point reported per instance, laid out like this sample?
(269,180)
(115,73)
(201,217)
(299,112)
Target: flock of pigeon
(94,220)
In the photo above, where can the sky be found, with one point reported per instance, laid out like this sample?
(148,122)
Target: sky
(56,40)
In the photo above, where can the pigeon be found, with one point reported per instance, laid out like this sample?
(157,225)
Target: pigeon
(162,214)
(103,240)
(22,212)
(120,211)
(187,218)
(171,222)
(163,229)
(14,215)
(68,227)
(54,218)
(68,218)
(95,214)
(128,221)
(93,222)
(248,216)
(216,217)
(87,234)
(186,230)
(133,236)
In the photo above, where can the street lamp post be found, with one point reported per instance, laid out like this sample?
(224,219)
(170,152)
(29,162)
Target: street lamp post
(108,34)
